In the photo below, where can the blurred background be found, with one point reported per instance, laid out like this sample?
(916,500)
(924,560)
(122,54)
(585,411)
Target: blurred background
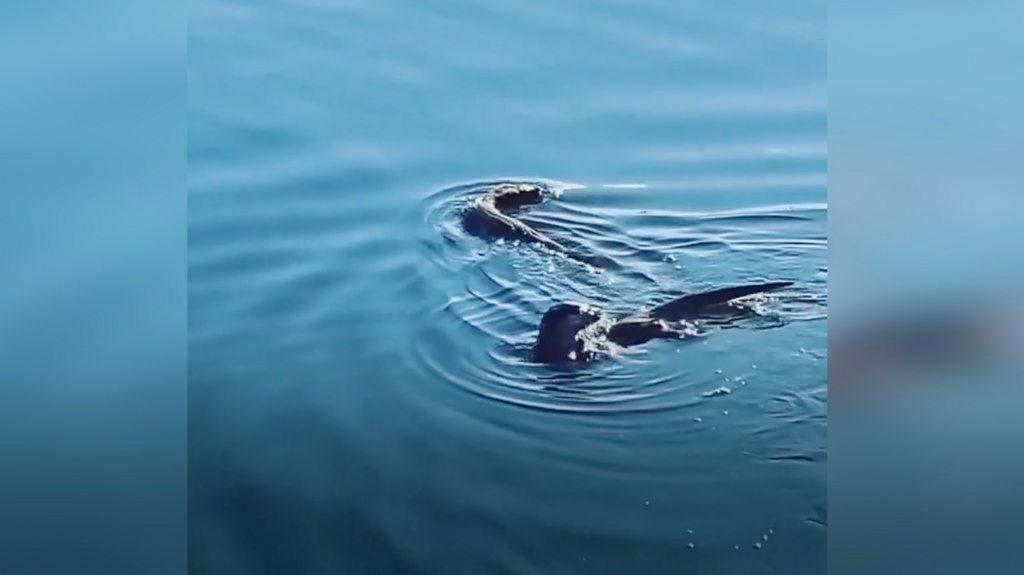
(92,305)
(925,331)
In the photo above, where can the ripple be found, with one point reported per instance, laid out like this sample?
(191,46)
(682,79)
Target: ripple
(478,325)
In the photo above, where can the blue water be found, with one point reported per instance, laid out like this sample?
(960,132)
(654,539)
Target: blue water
(361,396)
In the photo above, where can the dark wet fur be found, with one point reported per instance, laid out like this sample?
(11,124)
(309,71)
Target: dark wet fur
(558,338)
(488,216)
(491,217)
(695,305)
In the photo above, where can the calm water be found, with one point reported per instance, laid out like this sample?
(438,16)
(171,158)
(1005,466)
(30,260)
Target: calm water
(361,396)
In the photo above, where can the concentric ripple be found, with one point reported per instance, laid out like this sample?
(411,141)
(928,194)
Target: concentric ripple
(482,314)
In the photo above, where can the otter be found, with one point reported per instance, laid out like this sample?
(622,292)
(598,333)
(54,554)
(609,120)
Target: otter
(561,334)
(487,217)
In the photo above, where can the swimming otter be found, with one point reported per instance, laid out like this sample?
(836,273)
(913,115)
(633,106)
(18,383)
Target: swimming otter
(487,216)
(561,335)
(565,328)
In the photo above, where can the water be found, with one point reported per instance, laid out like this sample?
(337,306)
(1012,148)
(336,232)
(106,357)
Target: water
(362,398)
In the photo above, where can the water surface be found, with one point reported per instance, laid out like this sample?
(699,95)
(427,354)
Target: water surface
(362,398)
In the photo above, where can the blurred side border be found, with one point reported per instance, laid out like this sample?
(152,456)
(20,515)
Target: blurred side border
(93,297)
(925,279)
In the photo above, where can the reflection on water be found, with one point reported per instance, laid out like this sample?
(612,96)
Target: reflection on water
(362,398)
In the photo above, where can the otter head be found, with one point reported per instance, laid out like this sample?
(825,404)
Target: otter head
(508,197)
(557,340)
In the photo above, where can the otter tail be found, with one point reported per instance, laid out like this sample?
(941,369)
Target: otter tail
(691,306)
